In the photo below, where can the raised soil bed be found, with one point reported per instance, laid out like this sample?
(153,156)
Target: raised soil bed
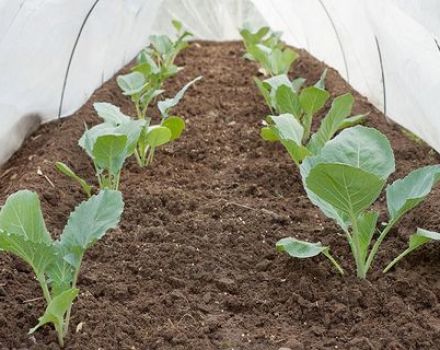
(193,264)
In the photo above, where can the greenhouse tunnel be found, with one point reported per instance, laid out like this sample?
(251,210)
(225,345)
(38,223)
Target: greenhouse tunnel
(388,51)
(208,246)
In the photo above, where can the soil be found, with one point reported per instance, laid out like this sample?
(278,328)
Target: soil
(193,264)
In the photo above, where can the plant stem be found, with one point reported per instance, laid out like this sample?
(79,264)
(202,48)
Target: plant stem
(397,259)
(378,242)
(60,335)
(43,284)
(67,319)
(361,271)
(333,261)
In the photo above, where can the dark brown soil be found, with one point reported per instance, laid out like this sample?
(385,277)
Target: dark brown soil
(193,264)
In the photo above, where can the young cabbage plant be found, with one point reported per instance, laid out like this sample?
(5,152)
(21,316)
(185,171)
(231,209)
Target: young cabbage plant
(154,65)
(108,144)
(292,128)
(56,263)
(273,61)
(348,176)
(263,36)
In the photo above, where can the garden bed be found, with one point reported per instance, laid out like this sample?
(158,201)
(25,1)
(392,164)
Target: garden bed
(193,263)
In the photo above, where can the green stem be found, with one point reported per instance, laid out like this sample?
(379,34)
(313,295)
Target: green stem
(397,259)
(43,283)
(138,158)
(138,110)
(60,335)
(378,242)
(67,319)
(333,261)
(361,271)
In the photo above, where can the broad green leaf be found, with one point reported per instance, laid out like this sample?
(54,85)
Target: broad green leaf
(21,215)
(340,109)
(287,127)
(109,152)
(64,169)
(346,188)
(281,60)
(38,254)
(287,101)
(132,131)
(165,105)
(176,125)
(89,222)
(161,43)
(267,134)
(299,249)
(157,136)
(405,194)
(131,83)
(367,222)
(312,99)
(361,147)
(110,113)
(149,95)
(56,310)
(273,83)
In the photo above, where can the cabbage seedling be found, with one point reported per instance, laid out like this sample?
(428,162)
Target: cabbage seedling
(108,144)
(170,128)
(292,128)
(56,263)
(273,61)
(348,176)
(263,36)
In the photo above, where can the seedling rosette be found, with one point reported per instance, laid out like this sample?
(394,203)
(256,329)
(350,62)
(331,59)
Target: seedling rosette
(348,176)
(56,263)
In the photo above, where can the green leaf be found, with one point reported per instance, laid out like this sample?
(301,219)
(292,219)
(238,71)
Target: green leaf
(131,83)
(177,25)
(289,131)
(416,240)
(109,152)
(320,84)
(346,188)
(157,136)
(352,121)
(38,254)
(161,43)
(110,113)
(64,169)
(267,134)
(89,222)
(299,249)
(287,101)
(281,60)
(367,222)
(340,109)
(60,272)
(21,215)
(405,194)
(165,105)
(361,147)
(422,237)
(312,99)
(176,125)
(286,127)
(56,310)
(297,84)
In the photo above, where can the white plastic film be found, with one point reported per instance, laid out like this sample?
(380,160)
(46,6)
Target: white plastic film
(55,53)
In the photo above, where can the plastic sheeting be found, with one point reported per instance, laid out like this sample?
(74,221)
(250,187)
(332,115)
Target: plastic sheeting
(55,53)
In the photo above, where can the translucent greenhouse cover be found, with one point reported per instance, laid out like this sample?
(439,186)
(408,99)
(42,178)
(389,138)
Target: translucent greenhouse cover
(55,53)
